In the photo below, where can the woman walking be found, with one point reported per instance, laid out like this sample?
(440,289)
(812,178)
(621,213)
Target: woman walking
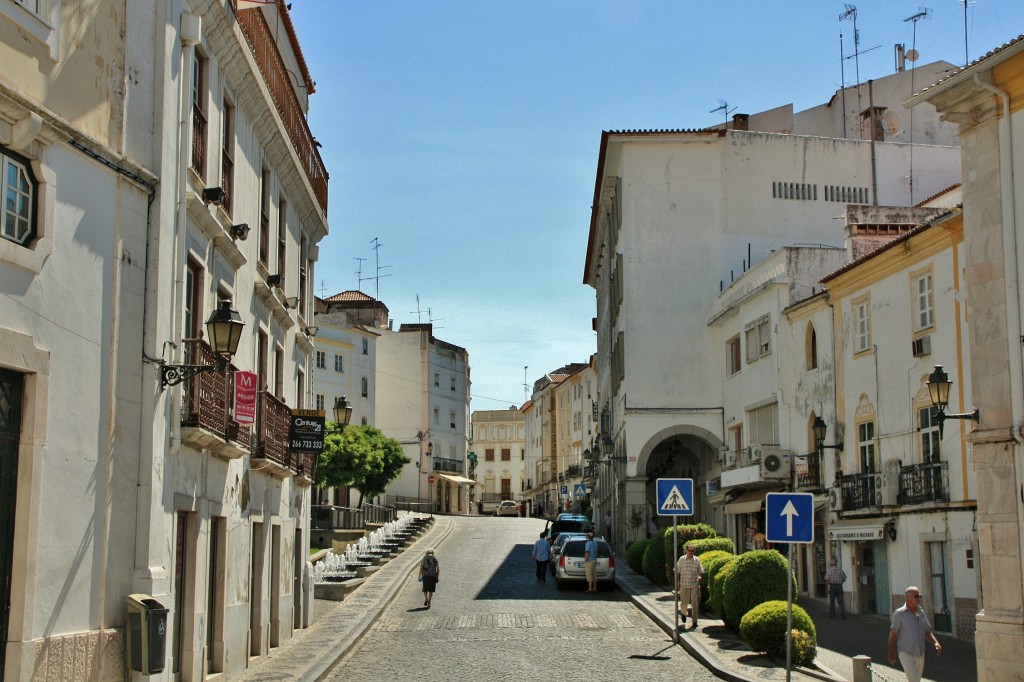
(430,573)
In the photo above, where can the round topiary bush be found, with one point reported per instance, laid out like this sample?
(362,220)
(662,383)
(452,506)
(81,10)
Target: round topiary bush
(764,629)
(706,559)
(720,572)
(635,554)
(758,576)
(654,559)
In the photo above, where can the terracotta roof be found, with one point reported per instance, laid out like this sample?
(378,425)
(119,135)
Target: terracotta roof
(891,244)
(350,295)
(935,196)
(998,52)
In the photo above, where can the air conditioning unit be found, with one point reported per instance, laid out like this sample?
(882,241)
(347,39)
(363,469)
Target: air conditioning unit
(887,490)
(922,346)
(726,457)
(835,499)
(775,463)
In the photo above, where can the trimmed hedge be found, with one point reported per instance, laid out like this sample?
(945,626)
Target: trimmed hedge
(720,574)
(758,576)
(654,559)
(706,560)
(635,554)
(764,629)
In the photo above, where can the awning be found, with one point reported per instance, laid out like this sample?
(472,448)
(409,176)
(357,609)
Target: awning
(459,479)
(858,530)
(747,503)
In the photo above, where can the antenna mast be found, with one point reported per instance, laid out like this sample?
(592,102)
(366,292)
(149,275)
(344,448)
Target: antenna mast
(723,106)
(966,3)
(526,389)
(924,13)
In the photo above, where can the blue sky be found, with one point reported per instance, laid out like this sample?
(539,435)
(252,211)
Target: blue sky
(463,135)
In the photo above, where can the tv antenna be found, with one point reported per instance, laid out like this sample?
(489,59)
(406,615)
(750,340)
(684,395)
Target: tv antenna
(376,278)
(723,106)
(526,388)
(966,4)
(912,56)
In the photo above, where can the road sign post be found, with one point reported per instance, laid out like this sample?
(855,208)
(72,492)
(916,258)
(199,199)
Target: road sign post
(789,519)
(675,498)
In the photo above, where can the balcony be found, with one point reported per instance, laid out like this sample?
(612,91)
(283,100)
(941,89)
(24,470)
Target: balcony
(572,472)
(921,483)
(260,38)
(808,472)
(272,454)
(448,465)
(206,397)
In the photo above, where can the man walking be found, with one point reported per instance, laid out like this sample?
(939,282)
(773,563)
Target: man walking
(608,527)
(834,578)
(908,633)
(689,572)
(542,555)
(590,562)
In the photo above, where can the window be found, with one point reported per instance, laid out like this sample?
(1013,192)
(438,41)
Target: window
(303,269)
(339,363)
(866,447)
(18,221)
(366,346)
(193,299)
(300,389)
(264,248)
(364,389)
(862,319)
(489,455)
(453,383)
(321,359)
(437,415)
(732,356)
(758,338)
(736,434)
(199,115)
(924,302)
(452,415)
(261,360)
(506,454)
(437,378)
(279,372)
(764,425)
(320,401)
(227,160)
(928,427)
(282,235)
(812,347)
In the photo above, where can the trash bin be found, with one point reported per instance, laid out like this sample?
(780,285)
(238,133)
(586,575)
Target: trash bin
(147,634)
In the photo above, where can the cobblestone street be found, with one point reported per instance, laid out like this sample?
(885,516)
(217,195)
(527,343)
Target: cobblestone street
(492,620)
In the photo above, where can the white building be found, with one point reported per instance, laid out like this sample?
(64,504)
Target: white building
(137,232)
(423,390)
(498,440)
(679,215)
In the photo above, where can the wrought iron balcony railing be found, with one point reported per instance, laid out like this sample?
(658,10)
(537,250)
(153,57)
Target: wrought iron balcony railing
(808,471)
(451,465)
(271,64)
(924,483)
(206,397)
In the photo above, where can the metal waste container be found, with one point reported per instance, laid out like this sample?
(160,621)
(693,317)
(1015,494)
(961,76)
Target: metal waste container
(147,634)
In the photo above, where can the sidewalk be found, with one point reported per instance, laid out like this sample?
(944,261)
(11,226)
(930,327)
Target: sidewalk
(311,653)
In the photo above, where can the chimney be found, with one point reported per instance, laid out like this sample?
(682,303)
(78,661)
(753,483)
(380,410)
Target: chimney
(741,122)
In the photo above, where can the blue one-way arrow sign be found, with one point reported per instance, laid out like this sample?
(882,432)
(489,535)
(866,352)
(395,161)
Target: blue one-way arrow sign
(789,517)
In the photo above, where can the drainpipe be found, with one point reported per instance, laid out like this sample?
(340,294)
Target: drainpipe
(1011,266)
(871,126)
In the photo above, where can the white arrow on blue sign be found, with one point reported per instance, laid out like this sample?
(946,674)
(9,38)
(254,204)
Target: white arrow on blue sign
(789,517)
(675,496)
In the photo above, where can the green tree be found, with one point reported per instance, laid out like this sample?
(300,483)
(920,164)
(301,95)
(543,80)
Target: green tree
(361,457)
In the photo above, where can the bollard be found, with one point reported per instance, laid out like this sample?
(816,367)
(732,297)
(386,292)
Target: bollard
(861,668)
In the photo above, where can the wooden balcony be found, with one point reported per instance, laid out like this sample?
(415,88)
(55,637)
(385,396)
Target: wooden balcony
(272,454)
(206,399)
(260,38)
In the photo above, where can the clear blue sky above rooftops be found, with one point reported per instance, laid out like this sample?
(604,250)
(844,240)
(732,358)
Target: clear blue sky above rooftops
(462,136)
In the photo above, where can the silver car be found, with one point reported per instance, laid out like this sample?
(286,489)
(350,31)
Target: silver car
(556,547)
(570,563)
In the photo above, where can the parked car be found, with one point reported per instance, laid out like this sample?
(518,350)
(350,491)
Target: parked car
(570,563)
(574,524)
(556,546)
(507,508)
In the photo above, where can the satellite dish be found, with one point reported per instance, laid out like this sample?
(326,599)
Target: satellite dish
(913,55)
(893,125)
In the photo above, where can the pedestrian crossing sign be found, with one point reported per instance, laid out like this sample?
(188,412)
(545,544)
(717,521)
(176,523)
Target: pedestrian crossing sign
(675,496)
(579,490)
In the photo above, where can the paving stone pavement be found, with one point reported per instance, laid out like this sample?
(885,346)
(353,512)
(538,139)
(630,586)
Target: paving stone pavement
(574,628)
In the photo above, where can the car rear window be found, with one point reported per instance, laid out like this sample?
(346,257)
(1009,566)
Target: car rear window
(577,549)
(569,527)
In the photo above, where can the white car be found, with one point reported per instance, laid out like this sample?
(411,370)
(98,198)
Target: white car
(507,508)
(570,563)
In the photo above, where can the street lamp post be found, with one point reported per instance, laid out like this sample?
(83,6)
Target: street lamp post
(225,331)
(342,416)
(938,390)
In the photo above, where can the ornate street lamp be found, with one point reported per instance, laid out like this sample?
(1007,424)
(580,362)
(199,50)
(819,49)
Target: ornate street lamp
(938,390)
(224,329)
(342,412)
